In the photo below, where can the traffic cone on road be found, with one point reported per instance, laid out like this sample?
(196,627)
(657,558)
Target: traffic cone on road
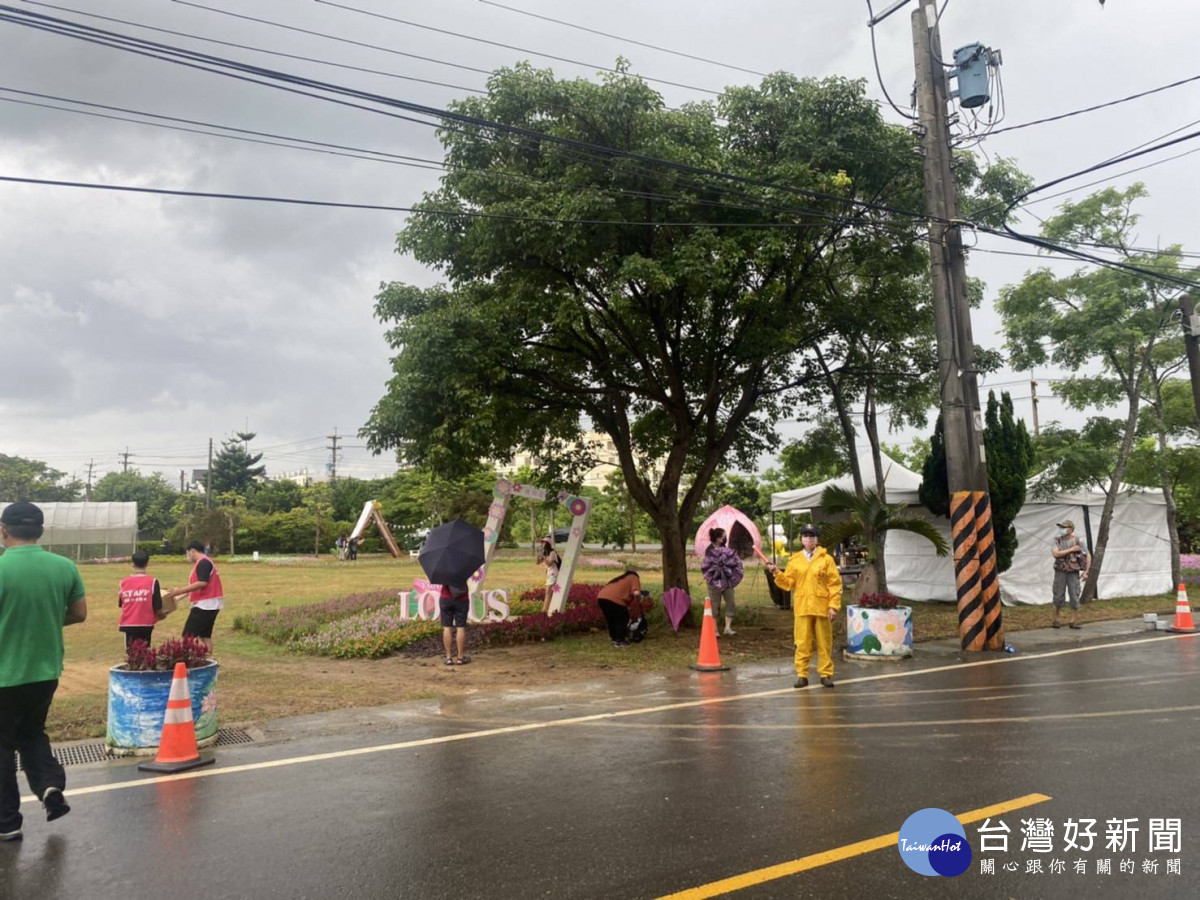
(709,659)
(1183,614)
(177,750)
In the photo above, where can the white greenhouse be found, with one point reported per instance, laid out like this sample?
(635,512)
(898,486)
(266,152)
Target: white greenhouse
(89,530)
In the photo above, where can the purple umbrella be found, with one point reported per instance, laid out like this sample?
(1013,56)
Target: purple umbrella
(677,603)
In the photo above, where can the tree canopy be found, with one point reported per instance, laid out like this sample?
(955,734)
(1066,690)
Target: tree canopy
(675,312)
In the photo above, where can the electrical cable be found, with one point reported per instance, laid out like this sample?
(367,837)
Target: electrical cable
(236,15)
(468,37)
(254,49)
(333,204)
(1088,109)
(878,71)
(627,40)
(355,152)
(200,61)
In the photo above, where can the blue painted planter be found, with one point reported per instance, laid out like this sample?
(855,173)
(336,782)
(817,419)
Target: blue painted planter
(137,704)
(879,632)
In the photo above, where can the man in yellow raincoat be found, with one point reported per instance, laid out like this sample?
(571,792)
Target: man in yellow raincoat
(816,585)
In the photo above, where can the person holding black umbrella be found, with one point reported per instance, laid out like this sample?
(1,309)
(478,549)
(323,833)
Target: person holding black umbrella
(451,555)
(454,604)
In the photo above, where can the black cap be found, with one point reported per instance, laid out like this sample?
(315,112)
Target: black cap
(22,514)
(809,529)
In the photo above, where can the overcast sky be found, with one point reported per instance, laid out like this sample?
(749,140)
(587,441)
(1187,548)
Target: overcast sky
(155,323)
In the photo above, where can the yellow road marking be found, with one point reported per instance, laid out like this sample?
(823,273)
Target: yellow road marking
(580,720)
(816,860)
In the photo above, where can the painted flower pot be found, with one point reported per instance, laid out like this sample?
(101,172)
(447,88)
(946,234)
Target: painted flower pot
(879,632)
(137,705)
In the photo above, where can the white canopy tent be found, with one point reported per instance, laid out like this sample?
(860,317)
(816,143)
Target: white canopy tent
(88,530)
(1136,563)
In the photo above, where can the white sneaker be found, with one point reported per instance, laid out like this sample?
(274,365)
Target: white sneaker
(729,630)
(10,835)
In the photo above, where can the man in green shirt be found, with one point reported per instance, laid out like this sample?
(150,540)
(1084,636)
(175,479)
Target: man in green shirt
(40,592)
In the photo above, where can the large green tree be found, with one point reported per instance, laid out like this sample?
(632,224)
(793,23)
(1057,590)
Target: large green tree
(674,312)
(152,493)
(235,468)
(33,480)
(1104,320)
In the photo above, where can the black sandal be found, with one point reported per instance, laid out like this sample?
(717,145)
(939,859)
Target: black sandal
(462,660)
(449,661)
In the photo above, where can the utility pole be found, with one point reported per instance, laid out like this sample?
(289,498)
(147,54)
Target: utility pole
(91,465)
(1191,342)
(1033,397)
(208,478)
(333,457)
(181,473)
(977,588)
(125,459)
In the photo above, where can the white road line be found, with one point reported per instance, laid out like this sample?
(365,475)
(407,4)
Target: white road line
(577,720)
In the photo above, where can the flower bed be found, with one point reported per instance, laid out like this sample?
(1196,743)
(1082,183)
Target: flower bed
(281,626)
(1190,561)
(369,626)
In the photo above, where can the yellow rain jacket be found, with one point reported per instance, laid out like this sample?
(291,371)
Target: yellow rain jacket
(816,586)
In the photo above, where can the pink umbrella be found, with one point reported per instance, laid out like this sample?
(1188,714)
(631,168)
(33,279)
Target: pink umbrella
(742,532)
(676,602)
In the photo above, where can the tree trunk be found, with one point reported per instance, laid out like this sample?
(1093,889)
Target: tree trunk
(1168,490)
(843,413)
(1110,499)
(867,583)
(876,541)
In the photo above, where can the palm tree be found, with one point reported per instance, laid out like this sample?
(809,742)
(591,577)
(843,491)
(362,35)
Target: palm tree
(868,518)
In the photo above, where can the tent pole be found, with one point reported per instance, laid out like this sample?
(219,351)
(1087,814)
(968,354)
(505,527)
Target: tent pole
(772,537)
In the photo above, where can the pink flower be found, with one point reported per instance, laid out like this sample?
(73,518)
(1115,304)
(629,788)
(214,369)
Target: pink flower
(578,506)
(889,626)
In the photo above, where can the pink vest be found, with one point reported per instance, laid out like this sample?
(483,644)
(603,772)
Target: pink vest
(210,591)
(137,601)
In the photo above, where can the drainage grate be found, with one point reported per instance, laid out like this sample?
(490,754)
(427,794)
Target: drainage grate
(79,754)
(227,736)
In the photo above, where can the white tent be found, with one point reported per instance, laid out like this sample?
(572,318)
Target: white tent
(85,530)
(1136,563)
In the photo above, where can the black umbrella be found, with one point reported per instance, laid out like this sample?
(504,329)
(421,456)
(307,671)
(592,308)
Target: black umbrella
(452,553)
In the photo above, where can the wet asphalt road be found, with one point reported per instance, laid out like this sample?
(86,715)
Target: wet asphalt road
(551,803)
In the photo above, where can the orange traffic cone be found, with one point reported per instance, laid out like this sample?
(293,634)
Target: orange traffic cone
(177,748)
(1183,613)
(709,659)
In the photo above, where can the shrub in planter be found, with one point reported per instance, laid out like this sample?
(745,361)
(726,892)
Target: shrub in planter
(138,690)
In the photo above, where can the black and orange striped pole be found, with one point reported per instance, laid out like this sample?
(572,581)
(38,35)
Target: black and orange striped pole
(976,585)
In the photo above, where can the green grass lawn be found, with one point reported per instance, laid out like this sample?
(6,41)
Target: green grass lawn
(260,680)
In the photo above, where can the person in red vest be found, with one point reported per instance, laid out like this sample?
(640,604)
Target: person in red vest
(207,597)
(140,599)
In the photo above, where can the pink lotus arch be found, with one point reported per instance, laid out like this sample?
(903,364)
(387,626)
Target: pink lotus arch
(729,518)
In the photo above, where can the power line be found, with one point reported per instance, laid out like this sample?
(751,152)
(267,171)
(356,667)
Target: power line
(436,166)
(192,59)
(1088,109)
(468,37)
(627,40)
(357,152)
(452,213)
(226,12)
(255,49)
(1089,184)
(878,72)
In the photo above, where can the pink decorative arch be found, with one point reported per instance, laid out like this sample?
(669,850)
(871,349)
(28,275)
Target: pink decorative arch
(743,533)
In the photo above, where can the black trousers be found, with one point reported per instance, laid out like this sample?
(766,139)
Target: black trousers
(617,617)
(23,710)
